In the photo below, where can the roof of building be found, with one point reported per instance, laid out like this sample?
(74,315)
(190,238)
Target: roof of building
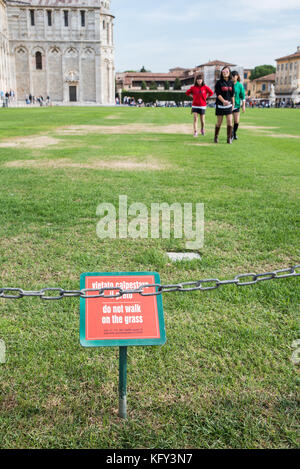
(177,69)
(18,2)
(145,76)
(270,77)
(291,56)
(217,63)
(63,3)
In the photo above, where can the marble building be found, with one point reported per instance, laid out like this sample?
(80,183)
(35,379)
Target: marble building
(63,49)
(6,81)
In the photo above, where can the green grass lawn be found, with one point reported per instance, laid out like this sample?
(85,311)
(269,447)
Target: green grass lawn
(225,378)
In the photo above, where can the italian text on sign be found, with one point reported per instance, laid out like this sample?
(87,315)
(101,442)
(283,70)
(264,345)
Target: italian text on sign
(132,319)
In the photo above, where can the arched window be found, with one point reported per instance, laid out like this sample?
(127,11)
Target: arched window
(38,61)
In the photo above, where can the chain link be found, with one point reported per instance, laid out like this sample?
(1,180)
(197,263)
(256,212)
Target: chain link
(11,293)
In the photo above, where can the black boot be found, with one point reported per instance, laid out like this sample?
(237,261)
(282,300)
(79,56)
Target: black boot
(229,133)
(217,130)
(236,126)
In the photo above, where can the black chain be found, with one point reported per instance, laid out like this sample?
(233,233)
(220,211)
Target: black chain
(241,280)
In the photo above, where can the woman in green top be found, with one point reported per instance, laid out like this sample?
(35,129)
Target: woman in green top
(240,101)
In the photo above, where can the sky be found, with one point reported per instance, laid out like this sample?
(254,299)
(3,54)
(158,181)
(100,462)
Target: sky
(163,34)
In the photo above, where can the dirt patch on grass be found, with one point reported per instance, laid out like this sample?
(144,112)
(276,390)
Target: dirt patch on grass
(40,141)
(201,144)
(283,136)
(267,131)
(125,129)
(149,139)
(112,117)
(53,402)
(8,403)
(257,127)
(126,164)
(213,226)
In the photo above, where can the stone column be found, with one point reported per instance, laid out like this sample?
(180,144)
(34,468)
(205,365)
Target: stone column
(1,69)
(30,71)
(109,83)
(98,78)
(80,84)
(47,69)
(65,83)
(113,84)
(97,25)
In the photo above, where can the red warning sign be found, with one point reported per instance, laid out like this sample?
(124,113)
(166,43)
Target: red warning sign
(129,320)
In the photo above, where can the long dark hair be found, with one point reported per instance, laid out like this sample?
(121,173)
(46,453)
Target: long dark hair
(234,73)
(199,77)
(230,74)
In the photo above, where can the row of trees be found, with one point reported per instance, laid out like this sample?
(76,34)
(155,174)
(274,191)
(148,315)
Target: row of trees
(261,71)
(150,97)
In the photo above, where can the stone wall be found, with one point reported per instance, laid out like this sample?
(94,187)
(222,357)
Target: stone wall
(6,82)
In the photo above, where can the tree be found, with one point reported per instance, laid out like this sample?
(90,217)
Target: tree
(261,71)
(153,86)
(167,85)
(177,84)
(144,85)
(143,70)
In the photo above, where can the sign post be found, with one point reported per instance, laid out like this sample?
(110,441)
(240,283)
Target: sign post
(123,382)
(129,320)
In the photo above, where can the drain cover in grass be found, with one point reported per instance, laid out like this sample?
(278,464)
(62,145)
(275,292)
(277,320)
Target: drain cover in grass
(183,256)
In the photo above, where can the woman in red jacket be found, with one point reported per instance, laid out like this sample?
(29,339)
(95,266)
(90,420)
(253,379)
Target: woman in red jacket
(200,92)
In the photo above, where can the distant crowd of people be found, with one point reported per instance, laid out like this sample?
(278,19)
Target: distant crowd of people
(38,100)
(249,102)
(7,97)
(287,104)
(131,101)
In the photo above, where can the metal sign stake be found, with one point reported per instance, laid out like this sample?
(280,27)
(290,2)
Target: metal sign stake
(123,382)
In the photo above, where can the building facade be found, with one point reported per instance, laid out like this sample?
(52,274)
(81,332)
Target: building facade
(6,82)
(211,71)
(261,88)
(247,81)
(136,81)
(63,49)
(287,87)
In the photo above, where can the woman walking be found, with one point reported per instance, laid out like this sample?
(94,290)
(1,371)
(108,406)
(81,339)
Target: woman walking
(224,103)
(200,92)
(239,98)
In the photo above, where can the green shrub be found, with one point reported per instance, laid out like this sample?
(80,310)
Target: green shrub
(152,96)
(153,86)
(177,84)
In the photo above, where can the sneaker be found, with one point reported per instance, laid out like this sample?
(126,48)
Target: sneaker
(195,134)
(202,132)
